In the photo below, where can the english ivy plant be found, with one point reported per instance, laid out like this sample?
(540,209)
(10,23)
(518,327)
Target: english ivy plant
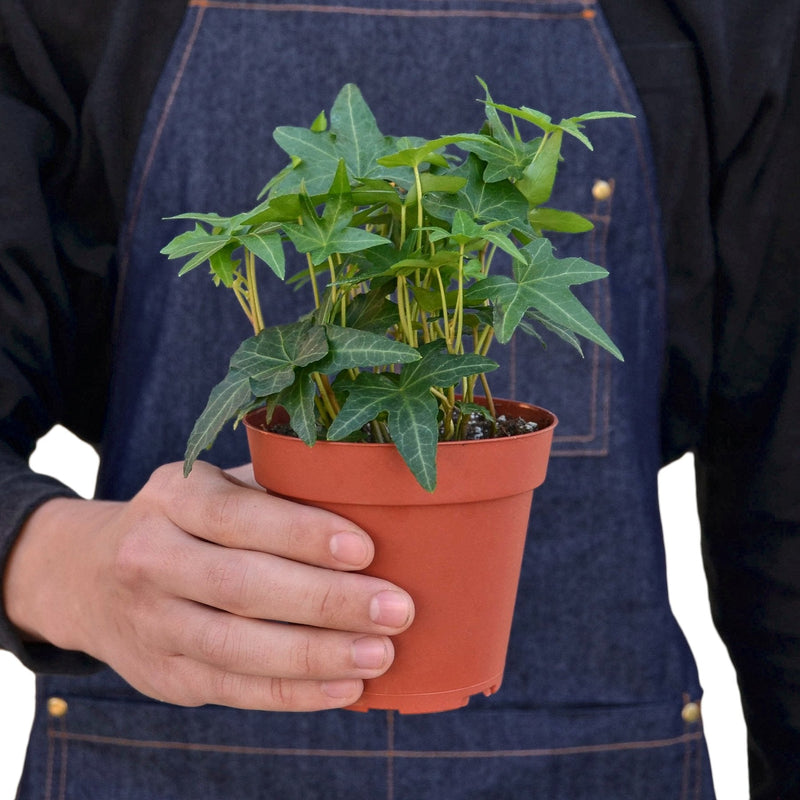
(399,236)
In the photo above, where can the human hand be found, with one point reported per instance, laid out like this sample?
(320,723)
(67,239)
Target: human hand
(186,591)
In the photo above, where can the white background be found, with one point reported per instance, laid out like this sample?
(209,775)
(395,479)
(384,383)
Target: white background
(74,463)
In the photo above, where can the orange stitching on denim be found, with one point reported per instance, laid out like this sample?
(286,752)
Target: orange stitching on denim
(390,715)
(51,743)
(585,13)
(685,770)
(699,761)
(156,140)
(602,301)
(643,164)
(653,744)
(53,736)
(311,8)
(62,782)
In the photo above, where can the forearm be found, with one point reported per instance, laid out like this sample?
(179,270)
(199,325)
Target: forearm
(21,492)
(41,607)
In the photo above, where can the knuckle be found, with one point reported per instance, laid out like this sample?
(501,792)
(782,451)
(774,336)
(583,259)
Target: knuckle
(215,643)
(162,481)
(133,557)
(281,693)
(303,658)
(332,605)
(227,579)
(300,532)
(185,694)
(222,513)
(226,688)
(327,602)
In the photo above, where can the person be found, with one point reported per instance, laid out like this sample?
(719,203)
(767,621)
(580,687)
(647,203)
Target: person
(115,117)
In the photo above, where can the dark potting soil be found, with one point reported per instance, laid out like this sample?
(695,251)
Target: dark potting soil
(478,427)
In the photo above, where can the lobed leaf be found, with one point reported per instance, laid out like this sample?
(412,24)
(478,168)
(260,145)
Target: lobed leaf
(412,411)
(224,402)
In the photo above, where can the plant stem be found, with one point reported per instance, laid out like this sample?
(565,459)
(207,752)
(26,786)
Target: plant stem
(488,393)
(327,396)
(406,322)
(332,268)
(485,341)
(378,432)
(241,296)
(420,218)
(313,276)
(459,309)
(445,318)
(257,317)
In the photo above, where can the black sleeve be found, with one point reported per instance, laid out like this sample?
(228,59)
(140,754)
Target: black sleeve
(726,137)
(748,459)
(67,139)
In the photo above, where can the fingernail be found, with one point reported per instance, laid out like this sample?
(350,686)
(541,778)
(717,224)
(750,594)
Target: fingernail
(342,689)
(369,652)
(390,608)
(349,548)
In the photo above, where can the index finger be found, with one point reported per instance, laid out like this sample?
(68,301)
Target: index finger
(219,508)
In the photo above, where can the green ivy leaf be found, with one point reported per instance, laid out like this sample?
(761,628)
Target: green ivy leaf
(566,335)
(223,264)
(268,247)
(224,402)
(353,136)
(350,348)
(317,160)
(412,411)
(506,156)
(543,282)
(323,236)
(552,219)
(198,243)
(372,311)
(298,400)
(270,358)
(487,202)
(540,175)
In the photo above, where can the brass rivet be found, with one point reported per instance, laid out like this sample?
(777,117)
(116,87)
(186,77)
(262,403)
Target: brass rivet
(602,190)
(56,706)
(691,713)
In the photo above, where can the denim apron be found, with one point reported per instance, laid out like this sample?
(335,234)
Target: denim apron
(599,695)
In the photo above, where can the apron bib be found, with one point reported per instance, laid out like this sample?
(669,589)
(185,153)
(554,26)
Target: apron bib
(598,672)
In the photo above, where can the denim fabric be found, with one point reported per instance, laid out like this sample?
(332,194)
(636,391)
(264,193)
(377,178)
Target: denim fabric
(598,671)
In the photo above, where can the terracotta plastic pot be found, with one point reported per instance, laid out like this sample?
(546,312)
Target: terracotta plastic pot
(457,551)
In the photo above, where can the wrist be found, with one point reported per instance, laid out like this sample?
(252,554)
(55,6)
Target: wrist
(52,569)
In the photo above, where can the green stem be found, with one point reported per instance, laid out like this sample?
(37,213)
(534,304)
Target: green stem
(402,224)
(406,322)
(379,432)
(485,341)
(445,318)
(488,393)
(459,309)
(420,218)
(313,276)
(326,394)
(252,292)
(311,273)
(241,296)
(488,256)
(332,269)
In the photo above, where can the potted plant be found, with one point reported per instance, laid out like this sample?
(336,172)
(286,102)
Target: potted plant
(399,240)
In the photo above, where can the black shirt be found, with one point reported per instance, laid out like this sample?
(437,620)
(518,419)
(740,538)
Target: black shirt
(720,84)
